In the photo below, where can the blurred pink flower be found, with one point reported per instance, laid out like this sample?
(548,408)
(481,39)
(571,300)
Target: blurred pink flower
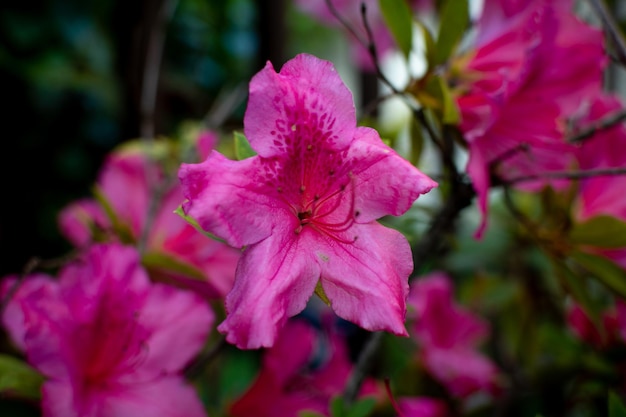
(448,336)
(108,341)
(306,206)
(602,195)
(612,322)
(302,371)
(533,65)
(127,182)
(421,407)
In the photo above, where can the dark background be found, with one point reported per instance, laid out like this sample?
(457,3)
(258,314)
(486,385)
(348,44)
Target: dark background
(71,77)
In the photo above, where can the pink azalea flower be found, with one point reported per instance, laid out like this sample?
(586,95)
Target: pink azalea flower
(127,181)
(534,64)
(302,371)
(601,195)
(305,207)
(421,407)
(448,336)
(612,322)
(108,341)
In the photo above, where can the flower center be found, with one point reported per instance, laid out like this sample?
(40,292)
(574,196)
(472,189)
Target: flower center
(331,215)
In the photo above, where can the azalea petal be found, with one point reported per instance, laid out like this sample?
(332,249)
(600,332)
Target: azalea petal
(180,322)
(367,281)
(462,371)
(121,173)
(306,96)
(32,289)
(275,278)
(77,220)
(230,199)
(57,400)
(384,182)
(163,397)
(422,407)
(291,352)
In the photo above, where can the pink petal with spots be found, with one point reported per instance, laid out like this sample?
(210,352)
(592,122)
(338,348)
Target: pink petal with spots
(307,99)
(228,199)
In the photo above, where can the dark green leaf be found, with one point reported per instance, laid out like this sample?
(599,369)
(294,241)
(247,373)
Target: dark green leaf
(162,261)
(195,224)
(575,285)
(454,22)
(122,230)
(243,149)
(306,413)
(600,231)
(362,407)
(399,20)
(450,111)
(18,378)
(604,270)
(616,407)
(337,406)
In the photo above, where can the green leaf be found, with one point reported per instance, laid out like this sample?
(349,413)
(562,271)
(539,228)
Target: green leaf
(399,20)
(362,407)
(18,378)
(454,22)
(604,270)
(162,261)
(121,229)
(600,231)
(195,224)
(319,290)
(577,288)
(306,413)
(450,111)
(616,407)
(429,45)
(337,406)
(243,149)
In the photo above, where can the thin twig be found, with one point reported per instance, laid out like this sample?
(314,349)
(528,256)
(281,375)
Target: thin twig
(344,22)
(359,372)
(597,126)
(152,68)
(33,264)
(612,29)
(567,175)
(197,366)
(149,88)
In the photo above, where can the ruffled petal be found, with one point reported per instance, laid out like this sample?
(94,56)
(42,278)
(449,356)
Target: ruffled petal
(275,278)
(77,220)
(163,397)
(179,323)
(230,198)
(384,182)
(34,288)
(367,281)
(306,96)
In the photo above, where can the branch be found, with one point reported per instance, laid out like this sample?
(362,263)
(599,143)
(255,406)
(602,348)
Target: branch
(197,366)
(33,264)
(611,28)
(597,126)
(568,175)
(359,372)
(149,88)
